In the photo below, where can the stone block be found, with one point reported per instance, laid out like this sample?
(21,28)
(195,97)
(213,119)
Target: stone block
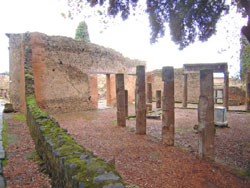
(220,116)
(2,182)
(8,108)
(2,154)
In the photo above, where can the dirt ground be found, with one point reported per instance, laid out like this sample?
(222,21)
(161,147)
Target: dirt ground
(21,169)
(142,160)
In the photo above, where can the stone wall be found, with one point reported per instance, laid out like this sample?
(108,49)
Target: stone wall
(62,68)
(69,164)
(236,96)
(236,93)
(193,84)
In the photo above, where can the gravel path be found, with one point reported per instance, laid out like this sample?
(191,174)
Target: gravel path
(144,161)
(22,169)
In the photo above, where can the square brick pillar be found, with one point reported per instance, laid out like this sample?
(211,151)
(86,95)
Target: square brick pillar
(126,103)
(111,90)
(93,84)
(149,93)
(140,106)
(185,91)
(248,92)
(120,100)
(168,115)
(206,116)
(226,90)
(158,98)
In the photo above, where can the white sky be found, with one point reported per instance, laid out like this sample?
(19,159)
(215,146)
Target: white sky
(131,37)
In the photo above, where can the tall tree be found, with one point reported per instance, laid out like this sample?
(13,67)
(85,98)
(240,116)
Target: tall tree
(188,19)
(244,57)
(82,32)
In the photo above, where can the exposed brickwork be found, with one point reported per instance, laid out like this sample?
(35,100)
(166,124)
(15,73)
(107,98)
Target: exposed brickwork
(192,82)
(62,68)
(93,90)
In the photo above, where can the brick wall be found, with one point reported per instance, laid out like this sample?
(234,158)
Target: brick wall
(193,84)
(62,68)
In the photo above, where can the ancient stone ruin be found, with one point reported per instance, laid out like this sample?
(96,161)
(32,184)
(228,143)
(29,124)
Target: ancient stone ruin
(52,74)
(65,72)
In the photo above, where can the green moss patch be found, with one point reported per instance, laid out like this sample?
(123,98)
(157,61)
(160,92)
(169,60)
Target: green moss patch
(19,117)
(64,157)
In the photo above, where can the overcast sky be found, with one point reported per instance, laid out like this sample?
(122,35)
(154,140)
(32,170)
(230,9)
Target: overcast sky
(131,37)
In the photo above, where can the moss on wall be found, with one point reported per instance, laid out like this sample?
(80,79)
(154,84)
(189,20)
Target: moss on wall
(69,164)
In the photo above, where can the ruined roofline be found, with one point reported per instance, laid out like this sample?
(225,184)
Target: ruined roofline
(79,45)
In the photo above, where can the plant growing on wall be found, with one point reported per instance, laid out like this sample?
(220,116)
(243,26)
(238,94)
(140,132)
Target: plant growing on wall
(244,57)
(82,33)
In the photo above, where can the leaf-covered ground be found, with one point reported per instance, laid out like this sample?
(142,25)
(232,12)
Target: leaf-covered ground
(142,160)
(21,169)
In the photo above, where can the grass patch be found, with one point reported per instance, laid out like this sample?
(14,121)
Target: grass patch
(89,116)
(184,148)
(114,123)
(155,155)
(181,129)
(4,139)
(244,172)
(19,117)
(34,157)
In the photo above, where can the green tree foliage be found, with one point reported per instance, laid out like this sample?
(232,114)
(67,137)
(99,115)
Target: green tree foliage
(188,19)
(82,32)
(244,57)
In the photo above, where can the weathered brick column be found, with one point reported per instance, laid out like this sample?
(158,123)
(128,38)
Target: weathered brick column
(226,89)
(140,100)
(185,91)
(149,93)
(248,92)
(120,100)
(108,92)
(111,90)
(158,98)
(168,116)
(206,115)
(126,103)
(93,90)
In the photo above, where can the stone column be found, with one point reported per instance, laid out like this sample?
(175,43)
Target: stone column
(185,91)
(226,89)
(168,116)
(140,100)
(149,93)
(206,116)
(248,92)
(126,103)
(108,90)
(158,98)
(120,100)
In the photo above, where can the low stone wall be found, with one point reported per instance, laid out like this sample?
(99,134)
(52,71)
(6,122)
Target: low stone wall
(69,164)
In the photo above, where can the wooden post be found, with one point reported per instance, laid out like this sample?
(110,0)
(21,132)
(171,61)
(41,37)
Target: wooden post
(168,116)
(185,91)
(120,100)
(206,116)
(149,93)
(140,100)
(158,98)
(226,89)
(126,103)
(248,92)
